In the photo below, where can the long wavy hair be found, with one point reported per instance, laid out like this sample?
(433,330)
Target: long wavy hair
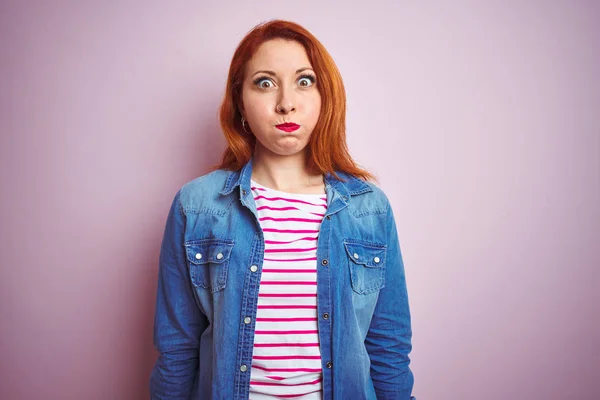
(327,151)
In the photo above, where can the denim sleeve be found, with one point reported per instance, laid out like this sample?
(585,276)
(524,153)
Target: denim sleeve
(388,340)
(178,322)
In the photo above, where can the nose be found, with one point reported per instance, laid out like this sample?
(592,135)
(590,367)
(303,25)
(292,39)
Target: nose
(285,102)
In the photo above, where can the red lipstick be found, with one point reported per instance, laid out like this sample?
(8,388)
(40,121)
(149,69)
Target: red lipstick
(288,127)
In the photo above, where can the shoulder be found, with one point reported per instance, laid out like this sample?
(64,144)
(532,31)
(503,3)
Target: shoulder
(366,197)
(203,191)
(376,191)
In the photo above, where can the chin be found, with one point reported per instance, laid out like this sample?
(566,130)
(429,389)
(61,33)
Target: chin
(276,147)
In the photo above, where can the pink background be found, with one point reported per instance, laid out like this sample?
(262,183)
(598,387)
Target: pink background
(481,119)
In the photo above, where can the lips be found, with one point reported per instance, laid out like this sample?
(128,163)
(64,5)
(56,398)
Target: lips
(288,127)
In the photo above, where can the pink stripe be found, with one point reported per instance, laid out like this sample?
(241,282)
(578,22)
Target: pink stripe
(287,369)
(287,283)
(277,378)
(257,188)
(289,250)
(288,219)
(283,384)
(318,214)
(286,344)
(286,307)
(290,230)
(291,241)
(285,332)
(260,319)
(291,396)
(294,357)
(287,295)
(278,208)
(294,271)
(291,259)
(290,200)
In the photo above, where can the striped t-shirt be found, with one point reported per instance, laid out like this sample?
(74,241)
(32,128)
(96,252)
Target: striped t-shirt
(286,360)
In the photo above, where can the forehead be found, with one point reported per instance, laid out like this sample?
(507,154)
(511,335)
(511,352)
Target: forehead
(280,56)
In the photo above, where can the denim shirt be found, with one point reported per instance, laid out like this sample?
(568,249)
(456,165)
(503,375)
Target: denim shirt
(209,274)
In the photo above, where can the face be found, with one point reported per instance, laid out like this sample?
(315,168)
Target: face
(280,98)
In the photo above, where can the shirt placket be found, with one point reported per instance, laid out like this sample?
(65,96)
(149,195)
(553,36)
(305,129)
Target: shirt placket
(248,308)
(336,202)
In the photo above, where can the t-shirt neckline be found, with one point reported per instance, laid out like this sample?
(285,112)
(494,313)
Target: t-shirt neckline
(268,189)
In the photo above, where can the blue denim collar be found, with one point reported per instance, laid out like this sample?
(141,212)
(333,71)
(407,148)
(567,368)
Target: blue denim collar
(347,187)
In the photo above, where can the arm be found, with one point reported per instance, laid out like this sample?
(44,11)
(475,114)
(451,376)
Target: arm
(388,340)
(178,322)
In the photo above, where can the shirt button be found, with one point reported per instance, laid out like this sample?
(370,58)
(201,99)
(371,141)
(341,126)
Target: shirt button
(325,262)
(355,256)
(325,315)
(329,364)
(219,256)
(376,259)
(247,320)
(243,192)
(328,217)
(243,368)
(198,256)
(254,268)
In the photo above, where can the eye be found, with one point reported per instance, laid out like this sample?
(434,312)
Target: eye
(306,80)
(263,83)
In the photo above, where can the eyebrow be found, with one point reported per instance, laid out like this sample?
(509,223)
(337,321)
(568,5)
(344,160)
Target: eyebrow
(274,74)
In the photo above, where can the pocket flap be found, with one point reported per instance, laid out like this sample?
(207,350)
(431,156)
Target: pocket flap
(369,255)
(208,251)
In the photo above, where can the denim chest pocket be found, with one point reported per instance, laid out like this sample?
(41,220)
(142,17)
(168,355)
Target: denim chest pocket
(366,261)
(208,260)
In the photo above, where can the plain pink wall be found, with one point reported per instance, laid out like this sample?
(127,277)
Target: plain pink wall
(481,119)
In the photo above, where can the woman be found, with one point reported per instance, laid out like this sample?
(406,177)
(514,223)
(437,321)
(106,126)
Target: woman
(280,272)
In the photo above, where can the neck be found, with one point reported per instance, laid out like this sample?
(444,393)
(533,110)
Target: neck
(285,173)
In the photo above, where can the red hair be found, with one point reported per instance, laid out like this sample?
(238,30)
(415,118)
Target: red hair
(327,148)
